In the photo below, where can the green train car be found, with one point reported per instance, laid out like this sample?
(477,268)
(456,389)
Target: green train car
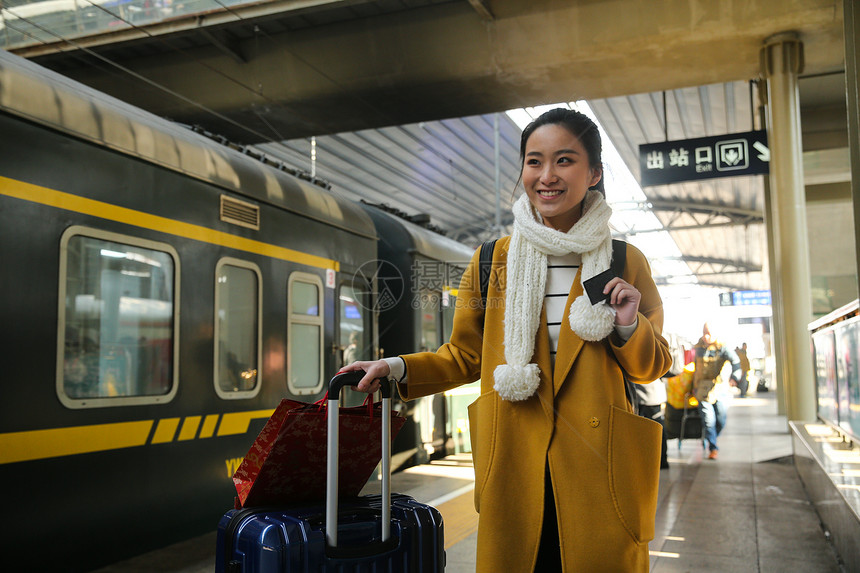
(161,293)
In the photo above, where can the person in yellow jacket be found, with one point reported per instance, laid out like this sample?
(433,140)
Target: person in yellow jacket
(566,474)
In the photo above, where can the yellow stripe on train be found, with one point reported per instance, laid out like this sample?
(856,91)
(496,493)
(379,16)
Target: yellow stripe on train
(59,442)
(62,200)
(238,422)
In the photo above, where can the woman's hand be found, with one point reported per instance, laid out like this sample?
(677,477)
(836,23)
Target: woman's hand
(624,298)
(373,372)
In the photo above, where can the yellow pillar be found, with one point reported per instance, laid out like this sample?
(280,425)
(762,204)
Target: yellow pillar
(781,62)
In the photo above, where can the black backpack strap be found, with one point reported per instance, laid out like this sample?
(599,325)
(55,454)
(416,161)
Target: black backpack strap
(619,257)
(485,265)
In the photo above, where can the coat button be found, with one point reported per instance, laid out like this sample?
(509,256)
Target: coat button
(594,422)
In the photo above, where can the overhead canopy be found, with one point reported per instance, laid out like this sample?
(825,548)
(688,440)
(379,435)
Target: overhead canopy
(400,95)
(287,69)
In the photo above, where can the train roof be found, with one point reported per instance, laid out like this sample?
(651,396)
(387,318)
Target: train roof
(424,241)
(39,95)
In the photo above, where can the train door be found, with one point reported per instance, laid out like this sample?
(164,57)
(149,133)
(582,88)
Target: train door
(429,414)
(354,328)
(457,400)
(305,334)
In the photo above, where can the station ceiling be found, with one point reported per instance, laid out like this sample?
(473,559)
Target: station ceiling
(401,96)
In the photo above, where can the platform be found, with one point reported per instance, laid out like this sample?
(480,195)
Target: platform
(744,512)
(829,466)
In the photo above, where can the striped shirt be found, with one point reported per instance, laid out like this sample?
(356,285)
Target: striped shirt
(560,273)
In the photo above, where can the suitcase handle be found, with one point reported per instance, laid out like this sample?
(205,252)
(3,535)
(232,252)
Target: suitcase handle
(332,450)
(352,379)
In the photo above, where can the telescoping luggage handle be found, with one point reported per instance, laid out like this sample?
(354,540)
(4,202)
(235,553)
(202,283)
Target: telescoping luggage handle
(331,502)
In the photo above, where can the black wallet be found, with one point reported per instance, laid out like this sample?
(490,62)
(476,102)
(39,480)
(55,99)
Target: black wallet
(594,286)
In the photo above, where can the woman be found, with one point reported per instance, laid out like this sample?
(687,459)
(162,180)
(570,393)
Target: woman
(565,474)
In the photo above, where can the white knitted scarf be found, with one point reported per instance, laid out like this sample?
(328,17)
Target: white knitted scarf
(530,244)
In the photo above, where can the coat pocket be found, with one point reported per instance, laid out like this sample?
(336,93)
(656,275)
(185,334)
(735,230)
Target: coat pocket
(482,434)
(634,471)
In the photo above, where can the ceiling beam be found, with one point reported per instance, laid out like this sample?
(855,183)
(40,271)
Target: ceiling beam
(663,281)
(677,215)
(330,68)
(716,266)
(481,8)
(689,207)
(230,46)
(703,215)
(693,227)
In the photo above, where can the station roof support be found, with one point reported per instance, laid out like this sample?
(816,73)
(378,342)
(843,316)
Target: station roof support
(782,62)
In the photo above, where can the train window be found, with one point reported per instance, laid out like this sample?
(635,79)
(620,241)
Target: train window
(354,324)
(305,297)
(238,319)
(305,334)
(117,342)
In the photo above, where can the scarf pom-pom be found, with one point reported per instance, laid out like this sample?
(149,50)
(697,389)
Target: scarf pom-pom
(591,322)
(516,383)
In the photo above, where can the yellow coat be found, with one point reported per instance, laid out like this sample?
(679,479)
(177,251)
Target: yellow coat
(604,460)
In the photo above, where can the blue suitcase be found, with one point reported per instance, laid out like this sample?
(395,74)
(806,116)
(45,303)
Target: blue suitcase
(378,533)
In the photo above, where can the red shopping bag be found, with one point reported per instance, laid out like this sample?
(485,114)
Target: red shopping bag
(287,462)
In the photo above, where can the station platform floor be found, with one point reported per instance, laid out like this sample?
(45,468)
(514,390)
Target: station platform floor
(747,511)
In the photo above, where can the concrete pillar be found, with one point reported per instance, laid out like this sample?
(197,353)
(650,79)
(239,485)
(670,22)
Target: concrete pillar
(777,329)
(781,62)
(777,323)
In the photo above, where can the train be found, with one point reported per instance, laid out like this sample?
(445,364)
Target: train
(162,291)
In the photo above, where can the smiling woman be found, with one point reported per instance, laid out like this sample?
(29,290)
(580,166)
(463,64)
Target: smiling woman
(553,409)
(557,168)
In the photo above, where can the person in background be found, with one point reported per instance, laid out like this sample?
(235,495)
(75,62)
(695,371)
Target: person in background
(650,399)
(350,353)
(566,474)
(743,383)
(709,387)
